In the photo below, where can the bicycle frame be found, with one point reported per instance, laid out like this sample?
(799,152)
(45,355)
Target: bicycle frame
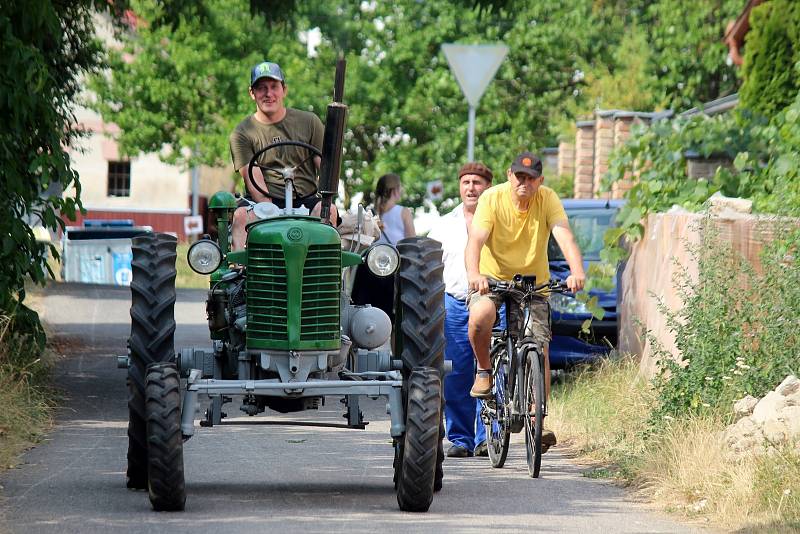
(518,372)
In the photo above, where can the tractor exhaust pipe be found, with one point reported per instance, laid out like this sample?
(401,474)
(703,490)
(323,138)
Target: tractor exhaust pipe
(332,143)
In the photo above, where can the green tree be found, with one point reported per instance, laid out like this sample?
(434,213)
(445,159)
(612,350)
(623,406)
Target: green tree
(184,84)
(688,65)
(773,48)
(47,48)
(178,85)
(407,112)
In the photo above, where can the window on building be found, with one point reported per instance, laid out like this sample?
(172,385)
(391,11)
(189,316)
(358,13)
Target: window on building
(119,178)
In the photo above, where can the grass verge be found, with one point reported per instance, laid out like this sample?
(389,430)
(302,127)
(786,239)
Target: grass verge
(683,466)
(23,394)
(186,276)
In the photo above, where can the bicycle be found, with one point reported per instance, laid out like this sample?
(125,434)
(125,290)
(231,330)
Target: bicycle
(518,374)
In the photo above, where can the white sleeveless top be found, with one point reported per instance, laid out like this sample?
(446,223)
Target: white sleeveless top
(393,225)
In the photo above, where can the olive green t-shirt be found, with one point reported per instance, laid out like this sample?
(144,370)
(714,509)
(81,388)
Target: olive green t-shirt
(250,136)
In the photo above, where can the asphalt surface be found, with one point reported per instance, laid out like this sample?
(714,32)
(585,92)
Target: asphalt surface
(264,479)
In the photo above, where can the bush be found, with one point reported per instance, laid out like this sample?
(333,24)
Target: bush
(738,331)
(773,48)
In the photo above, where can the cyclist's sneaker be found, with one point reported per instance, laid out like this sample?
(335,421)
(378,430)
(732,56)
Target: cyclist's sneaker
(482,387)
(481,449)
(548,440)
(457,451)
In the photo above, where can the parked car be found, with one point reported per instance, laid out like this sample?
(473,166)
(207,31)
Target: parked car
(589,219)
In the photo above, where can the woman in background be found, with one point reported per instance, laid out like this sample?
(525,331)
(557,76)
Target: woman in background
(396,223)
(396,220)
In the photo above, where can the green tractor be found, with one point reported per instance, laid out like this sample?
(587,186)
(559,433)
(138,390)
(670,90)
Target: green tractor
(285,335)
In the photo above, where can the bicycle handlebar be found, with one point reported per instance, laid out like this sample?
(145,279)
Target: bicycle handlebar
(527,285)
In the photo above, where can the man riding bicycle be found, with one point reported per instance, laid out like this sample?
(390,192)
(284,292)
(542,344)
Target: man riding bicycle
(509,235)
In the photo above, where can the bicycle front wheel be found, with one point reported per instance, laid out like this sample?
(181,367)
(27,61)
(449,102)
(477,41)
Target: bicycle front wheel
(496,414)
(534,420)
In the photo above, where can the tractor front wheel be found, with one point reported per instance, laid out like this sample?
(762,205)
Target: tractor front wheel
(416,476)
(164,439)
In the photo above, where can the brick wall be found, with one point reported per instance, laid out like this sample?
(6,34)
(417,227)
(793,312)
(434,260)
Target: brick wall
(622,131)
(603,145)
(584,159)
(566,159)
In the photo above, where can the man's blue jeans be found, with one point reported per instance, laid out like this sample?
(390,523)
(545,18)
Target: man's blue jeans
(462,412)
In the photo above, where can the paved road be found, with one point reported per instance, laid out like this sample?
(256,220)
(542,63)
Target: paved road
(261,479)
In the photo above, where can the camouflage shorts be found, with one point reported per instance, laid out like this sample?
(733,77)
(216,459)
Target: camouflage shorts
(538,326)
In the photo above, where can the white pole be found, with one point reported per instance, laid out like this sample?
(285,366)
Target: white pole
(195,189)
(471,135)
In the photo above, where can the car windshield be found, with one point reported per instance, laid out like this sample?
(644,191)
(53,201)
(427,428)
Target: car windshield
(589,226)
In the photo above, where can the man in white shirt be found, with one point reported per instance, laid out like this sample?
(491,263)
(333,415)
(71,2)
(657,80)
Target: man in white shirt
(462,413)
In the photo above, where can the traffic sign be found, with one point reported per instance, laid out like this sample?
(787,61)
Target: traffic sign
(474,66)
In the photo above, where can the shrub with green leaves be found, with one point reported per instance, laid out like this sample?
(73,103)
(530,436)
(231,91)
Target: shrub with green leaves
(47,48)
(738,331)
(773,49)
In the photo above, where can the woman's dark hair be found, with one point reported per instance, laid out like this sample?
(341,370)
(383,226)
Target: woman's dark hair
(383,190)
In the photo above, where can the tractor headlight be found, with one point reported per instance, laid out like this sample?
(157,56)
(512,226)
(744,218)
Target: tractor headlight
(383,260)
(204,256)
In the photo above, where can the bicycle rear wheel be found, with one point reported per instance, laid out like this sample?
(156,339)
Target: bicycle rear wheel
(534,421)
(496,414)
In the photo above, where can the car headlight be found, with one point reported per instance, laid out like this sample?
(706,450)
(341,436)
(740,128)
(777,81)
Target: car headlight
(204,256)
(566,304)
(383,260)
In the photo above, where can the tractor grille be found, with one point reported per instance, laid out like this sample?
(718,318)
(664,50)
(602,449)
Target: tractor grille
(271,302)
(266,294)
(319,318)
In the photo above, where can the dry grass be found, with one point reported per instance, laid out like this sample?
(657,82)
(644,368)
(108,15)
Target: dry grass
(601,410)
(26,407)
(186,276)
(683,465)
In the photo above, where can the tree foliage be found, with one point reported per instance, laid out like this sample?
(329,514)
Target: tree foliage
(46,50)
(183,85)
(772,50)
(179,84)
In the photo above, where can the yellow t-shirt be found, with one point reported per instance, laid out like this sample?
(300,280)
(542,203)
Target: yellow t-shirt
(517,242)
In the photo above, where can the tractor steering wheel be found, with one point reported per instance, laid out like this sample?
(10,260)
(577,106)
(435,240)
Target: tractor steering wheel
(287,172)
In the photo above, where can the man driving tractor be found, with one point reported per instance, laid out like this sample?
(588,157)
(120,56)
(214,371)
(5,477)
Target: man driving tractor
(271,123)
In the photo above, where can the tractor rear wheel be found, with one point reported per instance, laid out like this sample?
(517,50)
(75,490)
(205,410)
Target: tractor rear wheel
(417,473)
(152,336)
(165,479)
(419,309)
(419,316)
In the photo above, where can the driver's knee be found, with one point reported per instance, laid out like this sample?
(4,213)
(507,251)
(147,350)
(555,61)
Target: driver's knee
(334,214)
(240,216)
(238,231)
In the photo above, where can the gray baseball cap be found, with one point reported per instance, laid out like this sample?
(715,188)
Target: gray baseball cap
(266,69)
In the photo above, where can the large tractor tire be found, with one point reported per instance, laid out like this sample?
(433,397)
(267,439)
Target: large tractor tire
(419,316)
(419,309)
(152,336)
(417,465)
(165,479)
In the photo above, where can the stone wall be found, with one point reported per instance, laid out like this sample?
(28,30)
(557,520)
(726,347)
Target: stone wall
(658,256)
